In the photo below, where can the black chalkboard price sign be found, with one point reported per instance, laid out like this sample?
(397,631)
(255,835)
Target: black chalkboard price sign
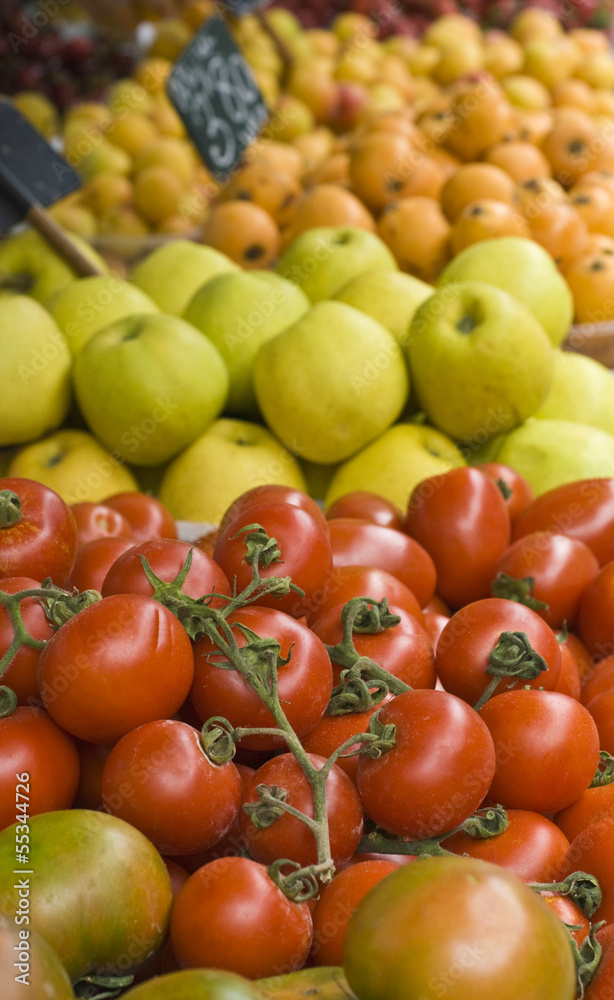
(214,93)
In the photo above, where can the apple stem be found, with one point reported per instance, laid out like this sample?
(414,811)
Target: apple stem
(10,509)
(511,656)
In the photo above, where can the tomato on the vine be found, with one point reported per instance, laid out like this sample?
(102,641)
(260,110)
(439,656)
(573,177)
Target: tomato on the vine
(147,516)
(20,674)
(347,582)
(38,533)
(97,520)
(94,560)
(591,851)
(166,557)
(517,491)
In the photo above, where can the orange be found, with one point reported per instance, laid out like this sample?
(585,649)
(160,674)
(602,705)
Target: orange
(560,228)
(570,145)
(603,178)
(475,180)
(335,169)
(533,195)
(327,205)
(522,160)
(245,232)
(596,206)
(387,166)
(481,115)
(485,219)
(277,191)
(576,93)
(591,280)
(418,234)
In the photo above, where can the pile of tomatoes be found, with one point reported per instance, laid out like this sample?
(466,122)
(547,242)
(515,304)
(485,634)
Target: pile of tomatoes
(166,708)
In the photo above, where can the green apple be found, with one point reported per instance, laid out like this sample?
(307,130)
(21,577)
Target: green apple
(87,305)
(239,312)
(480,361)
(389,296)
(395,462)
(75,465)
(331,382)
(549,453)
(36,389)
(524,268)
(174,271)
(28,260)
(230,457)
(323,259)
(582,389)
(148,385)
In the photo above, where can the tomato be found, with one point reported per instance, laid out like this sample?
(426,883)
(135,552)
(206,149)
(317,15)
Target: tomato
(581,509)
(569,675)
(468,639)
(591,851)
(458,928)
(438,771)
(29,965)
(404,650)
(305,682)
(461,519)
(331,731)
(147,516)
(601,986)
(531,846)
(367,581)
(97,520)
(195,984)
(158,778)
(33,745)
(20,675)
(119,663)
(370,506)
(596,614)
(231,915)
(336,903)
(288,836)
(580,654)
(561,568)
(166,557)
(101,868)
(520,490)
(601,708)
(594,804)
(94,560)
(38,533)
(601,678)
(570,913)
(305,554)
(271,493)
(547,749)
(356,543)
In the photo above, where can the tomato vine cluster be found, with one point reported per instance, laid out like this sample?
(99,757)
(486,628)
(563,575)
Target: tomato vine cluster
(363,740)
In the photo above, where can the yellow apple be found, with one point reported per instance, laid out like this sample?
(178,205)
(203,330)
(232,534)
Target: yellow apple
(27,258)
(582,389)
(87,305)
(173,272)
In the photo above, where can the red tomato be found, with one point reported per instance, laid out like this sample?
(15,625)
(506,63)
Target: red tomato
(569,676)
(332,731)
(560,567)
(404,650)
(461,519)
(360,543)
(231,915)
(547,749)
(437,773)
(596,614)
(520,490)
(337,902)
(119,663)
(305,682)
(467,641)
(38,534)
(594,804)
(271,493)
(370,506)
(147,515)
(601,708)
(591,851)
(94,560)
(158,778)
(601,678)
(581,509)
(39,768)
(305,554)
(531,846)
(288,836)
(166,557)
(601,986)
(20,675)
(367,581)
(97,520)
(570,913)
(580,654)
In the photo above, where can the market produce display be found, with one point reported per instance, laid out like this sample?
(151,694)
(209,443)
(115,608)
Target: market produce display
(307,516)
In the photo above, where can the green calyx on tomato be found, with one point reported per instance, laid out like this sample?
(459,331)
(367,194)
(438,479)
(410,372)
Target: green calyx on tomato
(10,509)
